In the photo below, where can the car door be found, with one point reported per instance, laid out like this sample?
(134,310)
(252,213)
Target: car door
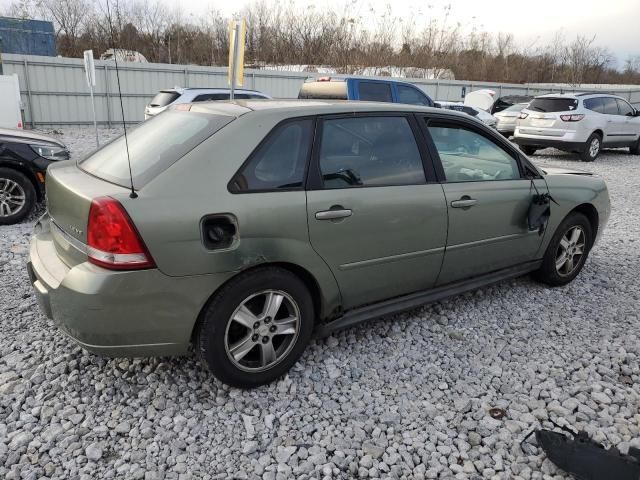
(631,122)
(614,132)
(374,216)
(487,199)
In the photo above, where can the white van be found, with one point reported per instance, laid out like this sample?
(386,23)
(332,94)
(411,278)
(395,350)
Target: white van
(10,116)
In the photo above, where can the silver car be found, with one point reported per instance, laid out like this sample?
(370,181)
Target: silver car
(582,122)
(506,119)
(172,96)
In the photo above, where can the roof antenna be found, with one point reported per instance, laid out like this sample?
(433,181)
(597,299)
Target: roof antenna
(133,193)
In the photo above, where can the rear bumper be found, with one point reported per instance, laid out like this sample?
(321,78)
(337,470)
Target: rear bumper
(118,314)
(571,146)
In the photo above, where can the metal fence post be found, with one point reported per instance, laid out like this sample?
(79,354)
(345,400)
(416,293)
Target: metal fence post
(253,80)
(437,89)
(30,101)
(186,77)
(106,94)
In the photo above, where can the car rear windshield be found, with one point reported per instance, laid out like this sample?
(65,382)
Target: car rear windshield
(154,146)
(162,99)
(553,104)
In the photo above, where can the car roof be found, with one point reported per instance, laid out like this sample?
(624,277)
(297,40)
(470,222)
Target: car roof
(207,89)
(576,96)
(293,108)
(366,79)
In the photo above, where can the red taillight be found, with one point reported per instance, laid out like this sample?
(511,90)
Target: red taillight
(523,115)
(576,117)
(324,79)
(112,239)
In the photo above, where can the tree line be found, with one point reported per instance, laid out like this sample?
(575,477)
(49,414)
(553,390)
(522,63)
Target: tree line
(281,33)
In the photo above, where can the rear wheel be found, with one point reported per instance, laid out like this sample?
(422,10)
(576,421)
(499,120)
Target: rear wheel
(529,149)
(17,196)
(567,252)
(591,148)
(256,327)
(635,149)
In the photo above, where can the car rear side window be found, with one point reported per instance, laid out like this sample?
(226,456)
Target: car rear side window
(594,104)
(625,108)
(205,97)
(162,99)
(154,145)
(280,160)
(468,156)
(374,91)
(610,106)
(553,104)
(369,151)
(412,96)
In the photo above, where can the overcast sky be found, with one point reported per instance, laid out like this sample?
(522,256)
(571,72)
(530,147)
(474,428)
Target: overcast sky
(616,23)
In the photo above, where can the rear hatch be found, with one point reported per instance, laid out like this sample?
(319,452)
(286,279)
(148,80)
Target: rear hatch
(542,116)
(153,147)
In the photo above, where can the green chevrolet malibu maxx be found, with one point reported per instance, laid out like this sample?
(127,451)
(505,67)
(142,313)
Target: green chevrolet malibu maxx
(238,228)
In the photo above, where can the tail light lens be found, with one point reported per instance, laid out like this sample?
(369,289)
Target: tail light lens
(112,238)
(523,115)
(324,79)
(576,117)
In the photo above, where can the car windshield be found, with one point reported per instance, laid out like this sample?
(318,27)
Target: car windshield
(162,99)
(546,104)
(153,146)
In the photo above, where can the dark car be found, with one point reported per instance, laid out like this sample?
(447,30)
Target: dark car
(24,158)
(366,89)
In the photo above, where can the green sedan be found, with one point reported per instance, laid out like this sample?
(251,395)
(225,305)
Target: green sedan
(240,228)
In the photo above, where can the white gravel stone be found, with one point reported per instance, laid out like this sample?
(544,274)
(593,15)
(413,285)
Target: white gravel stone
(367,401)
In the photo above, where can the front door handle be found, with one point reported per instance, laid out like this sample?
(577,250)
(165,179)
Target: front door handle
(464,202)
(336,212)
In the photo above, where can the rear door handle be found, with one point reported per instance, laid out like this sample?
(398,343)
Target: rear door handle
(464,202)
(333,214)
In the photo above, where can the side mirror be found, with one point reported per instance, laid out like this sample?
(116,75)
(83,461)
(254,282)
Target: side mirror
(636,113)
(436,105)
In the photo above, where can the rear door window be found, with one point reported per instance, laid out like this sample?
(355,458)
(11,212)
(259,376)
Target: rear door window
(412,96)
(205,97)
(553,104)
(154,145)
(162,99)
(369,151)
(610,106)
(374,91)
(625,108)
(594,104)
(279,162)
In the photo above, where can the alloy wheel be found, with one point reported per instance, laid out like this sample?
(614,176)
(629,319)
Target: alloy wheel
(594,147)
(12,197)
(570,251)
(262,330)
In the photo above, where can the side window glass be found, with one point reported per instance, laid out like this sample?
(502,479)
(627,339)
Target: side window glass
(211,96)
(369,151)
(594,104)
(374,91)
(467,156)
(625,108)
(279,162)
(411,96)
(610,106)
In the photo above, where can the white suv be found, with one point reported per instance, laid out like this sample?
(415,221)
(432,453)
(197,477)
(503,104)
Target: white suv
(172,96)
(581,122)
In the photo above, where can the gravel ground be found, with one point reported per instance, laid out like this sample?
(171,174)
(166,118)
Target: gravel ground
(404,397)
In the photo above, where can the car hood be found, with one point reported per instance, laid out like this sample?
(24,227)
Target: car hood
(563,171)
(23,136)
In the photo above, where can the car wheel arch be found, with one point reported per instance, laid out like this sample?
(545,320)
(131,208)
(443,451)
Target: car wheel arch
(27,173)
(302,273)
(589,211)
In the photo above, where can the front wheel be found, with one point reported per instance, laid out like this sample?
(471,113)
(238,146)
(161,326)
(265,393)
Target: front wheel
(17,196)
(256,327)
(567,252)
(591,148)
(635,149)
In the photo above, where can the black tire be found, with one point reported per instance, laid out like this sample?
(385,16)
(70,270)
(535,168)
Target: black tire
(591,148)
(529,149)
(635,149)
(20,182)
(549,272)
(216,324)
